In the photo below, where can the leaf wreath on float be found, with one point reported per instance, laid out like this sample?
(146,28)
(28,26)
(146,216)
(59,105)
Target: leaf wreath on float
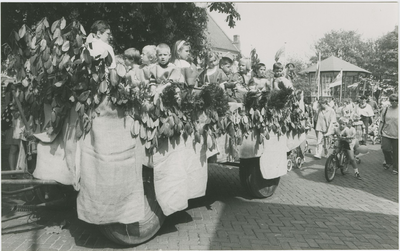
(272,110)
(47,61)
(60,67)
(196,112)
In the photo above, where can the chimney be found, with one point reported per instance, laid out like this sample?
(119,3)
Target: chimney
(236,41)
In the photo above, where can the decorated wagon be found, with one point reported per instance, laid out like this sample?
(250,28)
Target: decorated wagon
(132,157)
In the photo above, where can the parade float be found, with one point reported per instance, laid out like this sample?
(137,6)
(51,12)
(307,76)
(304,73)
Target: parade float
(133,158)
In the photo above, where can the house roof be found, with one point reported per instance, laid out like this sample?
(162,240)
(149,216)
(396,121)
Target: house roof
(218,37)
(335,64)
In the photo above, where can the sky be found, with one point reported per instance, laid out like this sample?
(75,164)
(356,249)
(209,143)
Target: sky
(267,26)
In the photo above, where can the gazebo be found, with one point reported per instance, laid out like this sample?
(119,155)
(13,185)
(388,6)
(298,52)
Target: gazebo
(329,70)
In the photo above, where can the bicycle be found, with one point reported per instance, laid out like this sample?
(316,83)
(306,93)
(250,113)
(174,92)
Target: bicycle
(338,159)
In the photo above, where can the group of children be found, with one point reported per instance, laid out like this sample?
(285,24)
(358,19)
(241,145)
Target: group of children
(156,66)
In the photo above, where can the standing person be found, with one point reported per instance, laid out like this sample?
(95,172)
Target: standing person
(181,59)
(13,126)
(384,102)
(101,36)
(359,126)
(374,105)
(389,130)
(347,110)
(315,107)
(309,114)
(366,113)
(326,118)
(338,109)
(332,103)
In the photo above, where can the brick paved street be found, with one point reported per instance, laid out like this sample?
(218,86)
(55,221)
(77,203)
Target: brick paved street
(306,212)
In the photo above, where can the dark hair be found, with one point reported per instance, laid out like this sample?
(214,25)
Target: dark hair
(287,65)
(224,61)
(99,25)
(258,66)
(363,97)
(277,66)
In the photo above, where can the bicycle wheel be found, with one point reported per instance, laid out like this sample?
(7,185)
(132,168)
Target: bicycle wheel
(330,168)
(345,165)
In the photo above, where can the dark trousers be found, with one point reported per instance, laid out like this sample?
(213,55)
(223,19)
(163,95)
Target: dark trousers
(365,120)
(390,149)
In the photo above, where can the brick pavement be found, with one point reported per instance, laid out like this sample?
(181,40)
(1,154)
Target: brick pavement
(306,212)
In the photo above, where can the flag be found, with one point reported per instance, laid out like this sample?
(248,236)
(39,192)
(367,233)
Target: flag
(317,74)
(353,85)
(338,80)
(280,53)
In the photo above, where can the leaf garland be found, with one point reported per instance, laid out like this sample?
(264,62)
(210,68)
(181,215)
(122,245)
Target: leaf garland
(55,66)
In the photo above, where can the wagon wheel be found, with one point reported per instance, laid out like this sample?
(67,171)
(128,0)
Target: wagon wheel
(141,231)
(244,172)
(256,185)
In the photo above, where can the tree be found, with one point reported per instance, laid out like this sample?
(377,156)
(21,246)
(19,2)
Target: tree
(346,45)
(386,59)
(301,82)
(132,24)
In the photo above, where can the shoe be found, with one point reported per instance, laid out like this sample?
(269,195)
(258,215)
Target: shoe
(385,166)
(395,172)
(358,176)
(317,156)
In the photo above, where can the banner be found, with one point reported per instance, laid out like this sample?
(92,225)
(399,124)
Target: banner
(338,80)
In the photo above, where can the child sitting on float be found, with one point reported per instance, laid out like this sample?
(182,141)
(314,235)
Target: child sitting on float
(213,74)
(182,59)
(148,58)
(279,81)
(259,82)
(163,72)
(134,75)
(225,64)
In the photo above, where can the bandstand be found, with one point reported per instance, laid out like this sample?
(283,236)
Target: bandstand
(352,86)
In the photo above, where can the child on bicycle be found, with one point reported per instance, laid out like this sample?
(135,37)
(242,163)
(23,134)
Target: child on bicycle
(346,134)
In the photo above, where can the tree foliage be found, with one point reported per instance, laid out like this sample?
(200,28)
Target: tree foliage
(387,58)
(347,45)
(301,81)
(132,24)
